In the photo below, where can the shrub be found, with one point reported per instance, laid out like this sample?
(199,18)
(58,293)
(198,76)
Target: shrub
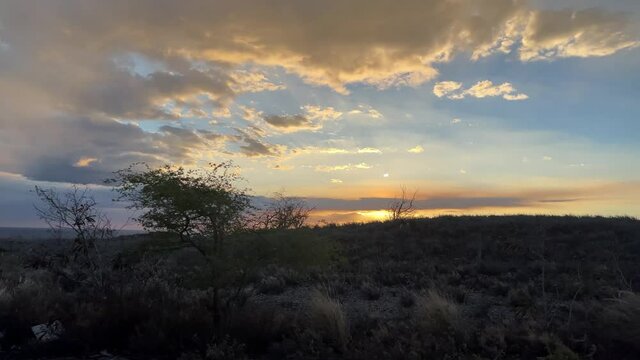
(327,317)
(438,315)
(620,319)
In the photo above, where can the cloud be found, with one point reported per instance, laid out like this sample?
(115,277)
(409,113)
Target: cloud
(85,161)
(307,150)
(250,114)
(315,112)
(252,81)
(329,150)
(481,89)
(374,42)
(336,181)
(568,33)
(515,97)
(435,202)
(374,113)
(369,150)
(106,87)
(252,145)
(75,75)
(290,122)
(313,118)
(443,88)
(416,149)
(347,167)
(329,168)
(362,166)
(89,149)
(320,150)
(366,111)
(486,88)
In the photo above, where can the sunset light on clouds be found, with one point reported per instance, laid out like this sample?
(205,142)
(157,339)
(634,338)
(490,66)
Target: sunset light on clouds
(483,107)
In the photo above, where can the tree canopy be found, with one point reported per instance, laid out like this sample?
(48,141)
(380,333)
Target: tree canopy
(201,205)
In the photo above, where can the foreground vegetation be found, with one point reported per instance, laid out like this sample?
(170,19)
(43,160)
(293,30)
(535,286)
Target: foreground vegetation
(510,287)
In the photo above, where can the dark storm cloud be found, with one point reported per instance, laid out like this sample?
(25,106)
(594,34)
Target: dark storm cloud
(251,144)
(288,121)
(88,150)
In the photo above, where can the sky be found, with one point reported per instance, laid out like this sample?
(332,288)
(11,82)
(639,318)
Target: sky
(479,106)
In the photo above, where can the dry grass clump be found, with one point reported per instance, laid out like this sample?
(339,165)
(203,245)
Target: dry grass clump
(437,315)
(328,318)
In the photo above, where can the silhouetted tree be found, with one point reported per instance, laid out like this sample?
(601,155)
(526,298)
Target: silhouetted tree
(77,210)
(402,206)
(201,206)
(284,212)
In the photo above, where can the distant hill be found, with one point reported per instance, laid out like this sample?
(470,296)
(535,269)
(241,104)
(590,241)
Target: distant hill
(26,233)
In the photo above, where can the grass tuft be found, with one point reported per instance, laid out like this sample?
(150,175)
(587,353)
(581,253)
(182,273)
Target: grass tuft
(327,317)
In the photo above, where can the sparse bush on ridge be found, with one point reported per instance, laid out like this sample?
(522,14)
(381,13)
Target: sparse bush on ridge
(402,207)
(282,213)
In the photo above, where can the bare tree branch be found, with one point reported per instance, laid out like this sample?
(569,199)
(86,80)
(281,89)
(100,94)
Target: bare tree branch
(284,212)
(402,206)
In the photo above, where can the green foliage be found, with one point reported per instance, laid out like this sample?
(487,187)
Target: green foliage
(199,205)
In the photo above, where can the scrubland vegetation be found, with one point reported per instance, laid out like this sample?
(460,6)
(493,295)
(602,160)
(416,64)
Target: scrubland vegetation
(498,287)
